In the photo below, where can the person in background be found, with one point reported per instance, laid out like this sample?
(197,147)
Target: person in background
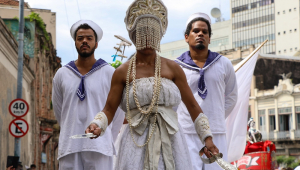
(32,167)
(212,80)
(80,90)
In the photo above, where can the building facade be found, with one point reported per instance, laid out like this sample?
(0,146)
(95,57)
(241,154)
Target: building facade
(253,21)
(39,146)
(10,9)
(43,63)
(276,101)
(287,19)
(8,92)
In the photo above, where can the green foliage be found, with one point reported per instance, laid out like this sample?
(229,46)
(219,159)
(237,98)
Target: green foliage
(280,159)
(289,160)
(17,18)
(116,64)
(294,165)
(39,22)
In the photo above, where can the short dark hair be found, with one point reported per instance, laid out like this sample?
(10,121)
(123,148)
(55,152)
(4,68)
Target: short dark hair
(189,26)
(85,26)
(32,166)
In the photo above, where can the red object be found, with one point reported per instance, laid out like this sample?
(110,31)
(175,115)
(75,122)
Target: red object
(260,146)
(255,160)
(257,156)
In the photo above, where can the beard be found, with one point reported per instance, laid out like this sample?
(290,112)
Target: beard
(86,54)
(200,46)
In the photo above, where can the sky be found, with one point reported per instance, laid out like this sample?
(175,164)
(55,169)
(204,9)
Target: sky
(110,14)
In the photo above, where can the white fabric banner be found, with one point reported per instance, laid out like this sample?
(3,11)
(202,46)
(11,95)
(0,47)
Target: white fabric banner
(236,122)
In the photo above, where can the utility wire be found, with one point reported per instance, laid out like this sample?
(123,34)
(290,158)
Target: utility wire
(78,9)
(69,26)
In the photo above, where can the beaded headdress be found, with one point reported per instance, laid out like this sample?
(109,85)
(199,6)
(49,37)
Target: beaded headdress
(146,22)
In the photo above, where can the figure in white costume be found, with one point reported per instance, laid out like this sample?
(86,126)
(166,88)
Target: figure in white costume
(212,80)
(147,87)
(80,90)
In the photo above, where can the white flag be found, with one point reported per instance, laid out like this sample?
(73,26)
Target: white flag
(236,122)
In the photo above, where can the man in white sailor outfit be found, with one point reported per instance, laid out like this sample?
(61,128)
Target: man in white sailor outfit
(212,80)
(80,90)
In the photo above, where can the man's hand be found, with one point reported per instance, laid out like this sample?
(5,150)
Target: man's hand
(10,168)
(93,128)
(210,146)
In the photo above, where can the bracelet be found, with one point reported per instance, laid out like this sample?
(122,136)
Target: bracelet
(202,127)
(101,121)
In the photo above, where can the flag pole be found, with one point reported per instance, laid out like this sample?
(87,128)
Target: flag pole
(255,51)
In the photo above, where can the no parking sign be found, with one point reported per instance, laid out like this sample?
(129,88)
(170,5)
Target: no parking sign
(18,128)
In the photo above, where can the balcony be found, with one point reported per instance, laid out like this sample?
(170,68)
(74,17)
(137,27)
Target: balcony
(283,135)
(271,136)
(297,134)
(264,135)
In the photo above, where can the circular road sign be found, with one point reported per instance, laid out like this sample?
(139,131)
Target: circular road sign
(18,128)
(18,108)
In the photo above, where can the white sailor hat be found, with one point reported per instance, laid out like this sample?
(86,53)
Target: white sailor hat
(93,25)
(198,15)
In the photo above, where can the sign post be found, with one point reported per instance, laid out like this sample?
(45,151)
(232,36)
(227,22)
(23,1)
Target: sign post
(17,150)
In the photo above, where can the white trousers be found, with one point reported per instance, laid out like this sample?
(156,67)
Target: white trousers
(195,145)
(86,161)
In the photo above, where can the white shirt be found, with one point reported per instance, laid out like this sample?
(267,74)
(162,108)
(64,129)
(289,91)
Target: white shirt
(297,168)
(221,96)
(74,116)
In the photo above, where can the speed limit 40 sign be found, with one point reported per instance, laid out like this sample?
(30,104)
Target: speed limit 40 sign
(18,108)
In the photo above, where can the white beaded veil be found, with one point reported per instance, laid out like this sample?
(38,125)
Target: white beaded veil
(146,22)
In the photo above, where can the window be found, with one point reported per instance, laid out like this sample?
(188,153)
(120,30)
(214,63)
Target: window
(278,33)
(278,13)
(291,49)
(261,112)
(295,9)
(262,123)
(283,32)
(285,110)
(283,12)
(295,29)
(272,122)
(296,48)
(284,50)
(298,121)
(279,51)
(290,10)
(297,109)
(290,31)
(272,111)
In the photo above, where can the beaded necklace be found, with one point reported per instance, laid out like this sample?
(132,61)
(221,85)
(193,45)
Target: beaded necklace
(155,98)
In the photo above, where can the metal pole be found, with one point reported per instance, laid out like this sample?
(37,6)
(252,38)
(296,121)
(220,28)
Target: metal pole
(20,68)
(258,48)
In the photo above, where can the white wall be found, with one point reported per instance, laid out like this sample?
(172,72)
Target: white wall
(288,43)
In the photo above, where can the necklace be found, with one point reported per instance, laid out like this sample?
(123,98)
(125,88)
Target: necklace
(155,97)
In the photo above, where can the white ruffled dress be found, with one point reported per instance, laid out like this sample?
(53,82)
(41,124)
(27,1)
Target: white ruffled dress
(131,157)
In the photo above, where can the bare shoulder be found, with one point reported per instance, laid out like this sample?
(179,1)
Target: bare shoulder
(121,72)
(170,63)
(173,68)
